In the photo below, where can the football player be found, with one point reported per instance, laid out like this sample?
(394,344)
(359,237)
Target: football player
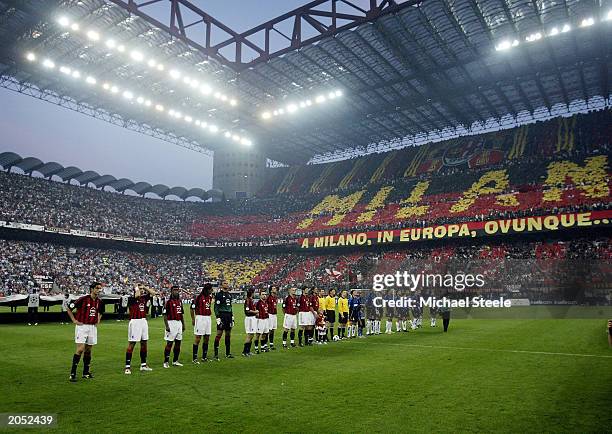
(138,328)
(175,327)
(86,322)
(201,321)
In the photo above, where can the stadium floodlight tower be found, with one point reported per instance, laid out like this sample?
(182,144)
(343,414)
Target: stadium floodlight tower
(238,171)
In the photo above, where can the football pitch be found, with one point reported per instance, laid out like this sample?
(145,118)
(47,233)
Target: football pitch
(503,375)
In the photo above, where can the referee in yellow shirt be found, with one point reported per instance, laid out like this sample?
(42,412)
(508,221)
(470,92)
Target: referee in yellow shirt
(343,313)
(330,312)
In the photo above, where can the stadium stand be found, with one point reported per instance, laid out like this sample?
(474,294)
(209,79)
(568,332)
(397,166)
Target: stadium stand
(538,270)
(556,166)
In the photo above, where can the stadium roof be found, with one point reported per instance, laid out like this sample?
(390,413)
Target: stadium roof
(29,165)
(404,68)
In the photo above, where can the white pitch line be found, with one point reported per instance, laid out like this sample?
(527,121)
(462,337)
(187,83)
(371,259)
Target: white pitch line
(493,350)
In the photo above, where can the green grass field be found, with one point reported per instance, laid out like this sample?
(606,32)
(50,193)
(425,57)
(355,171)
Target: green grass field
(503,375)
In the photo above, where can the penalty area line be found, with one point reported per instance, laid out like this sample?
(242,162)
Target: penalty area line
(493,350)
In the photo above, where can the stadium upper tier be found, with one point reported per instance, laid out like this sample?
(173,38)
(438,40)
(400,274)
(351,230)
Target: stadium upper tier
(549,167)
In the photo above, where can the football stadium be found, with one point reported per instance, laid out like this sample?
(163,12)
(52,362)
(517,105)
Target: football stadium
(305,216)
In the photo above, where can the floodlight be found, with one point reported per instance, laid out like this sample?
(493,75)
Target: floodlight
(74,27)
(140,100)
(159,107)
(76,74)
(114,89)
(174,74)
(137,56)
(213,128)
(63,21)
(128,95)
(587,22)
(566,28)
(265,115)
(111,43)
(121,48)
(93,35)
(291,108)
(90,80)
(233,102)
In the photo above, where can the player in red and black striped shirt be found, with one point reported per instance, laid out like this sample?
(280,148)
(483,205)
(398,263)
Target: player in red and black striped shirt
(304,316)
(290,321)
(263,323)
(86,320)
(201,320)
(175,326)
(272,310)
(138,329)
(250,322)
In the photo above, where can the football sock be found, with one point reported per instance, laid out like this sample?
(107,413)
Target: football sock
(205,348)
(300,333)
(331,332)
(217,339)
(128,357)
(167,352)
(86,362)
(271,338)
(368,326)
(143,353)
(195,351)
(284,338)
(227,344)
(265,341)
(292,336)
(257,344)
(246,348)
(76,358)
(177,351)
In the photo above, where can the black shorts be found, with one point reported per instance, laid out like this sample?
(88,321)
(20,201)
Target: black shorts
(343,318)
(330,316)
(226,321)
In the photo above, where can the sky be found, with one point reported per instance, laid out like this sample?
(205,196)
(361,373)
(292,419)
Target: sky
(31,127)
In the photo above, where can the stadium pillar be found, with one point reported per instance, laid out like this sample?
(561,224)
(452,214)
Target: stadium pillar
(238,172)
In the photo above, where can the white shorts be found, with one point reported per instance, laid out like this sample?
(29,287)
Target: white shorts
(263,325)
(202,325)
(272,322)
(176,331)
(305,319)
(138,330)
(250,325)
(289,322)
(86,334)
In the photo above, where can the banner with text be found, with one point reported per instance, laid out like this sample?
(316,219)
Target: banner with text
(517,225)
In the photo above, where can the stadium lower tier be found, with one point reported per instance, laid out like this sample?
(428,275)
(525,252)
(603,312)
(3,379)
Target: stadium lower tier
(576,270)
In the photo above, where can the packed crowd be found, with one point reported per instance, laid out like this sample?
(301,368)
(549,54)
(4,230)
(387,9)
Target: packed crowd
(535,270)
(421,191)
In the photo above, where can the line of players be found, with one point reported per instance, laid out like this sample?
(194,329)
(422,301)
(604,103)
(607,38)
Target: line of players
(312,315)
